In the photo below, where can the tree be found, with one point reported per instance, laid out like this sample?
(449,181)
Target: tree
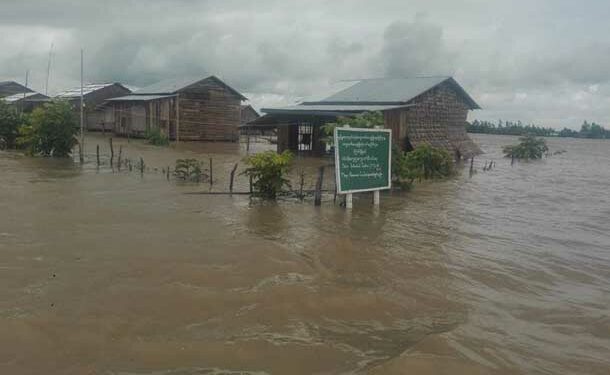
(9,125)
(530,147)
(51,131)
(268,170)
(363,120)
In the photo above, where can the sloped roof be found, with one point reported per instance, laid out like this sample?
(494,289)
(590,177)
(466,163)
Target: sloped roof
(87,89)
(12,87)
(173,85)
(394,90)
(17,97)
(140,98)
(330,109)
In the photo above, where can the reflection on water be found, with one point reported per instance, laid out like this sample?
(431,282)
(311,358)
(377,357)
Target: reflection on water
(109,272)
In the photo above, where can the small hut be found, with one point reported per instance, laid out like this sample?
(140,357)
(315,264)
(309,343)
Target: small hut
(188,109)
(94,95)
(419,110)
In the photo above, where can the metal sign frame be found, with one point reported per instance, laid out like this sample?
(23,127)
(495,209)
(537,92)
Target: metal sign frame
(337,158)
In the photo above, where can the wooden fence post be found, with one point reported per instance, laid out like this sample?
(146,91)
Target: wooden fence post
(111,152)
(232,177)
(211,173)
(318,193)
(120,156)
(301,184)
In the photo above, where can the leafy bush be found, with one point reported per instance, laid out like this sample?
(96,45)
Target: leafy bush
(423,163)
(9,125)
(268,171)
(529,147)
(189,170)
(363,120)
(51,130)
(155,137)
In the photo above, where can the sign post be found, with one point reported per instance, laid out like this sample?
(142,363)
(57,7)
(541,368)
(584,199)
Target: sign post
(362,161)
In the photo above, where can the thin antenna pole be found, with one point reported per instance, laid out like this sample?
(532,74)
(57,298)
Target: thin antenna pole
(27,73)
(82,124)
(46,87)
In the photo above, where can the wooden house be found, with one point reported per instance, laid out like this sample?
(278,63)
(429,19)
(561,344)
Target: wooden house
(94,95)
(433,110)
(201,109)
(8,88)
(248,114)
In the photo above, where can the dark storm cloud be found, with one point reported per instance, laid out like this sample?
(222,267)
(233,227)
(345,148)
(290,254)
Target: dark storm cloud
(542,61)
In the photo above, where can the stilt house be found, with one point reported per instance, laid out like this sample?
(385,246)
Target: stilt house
(94,95)
(419,110)
(182,109)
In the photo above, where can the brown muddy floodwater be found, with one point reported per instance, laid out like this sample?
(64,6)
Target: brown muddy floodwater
(110,272)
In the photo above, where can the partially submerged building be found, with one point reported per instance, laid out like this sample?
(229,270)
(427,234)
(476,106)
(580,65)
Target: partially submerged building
(8,88)
(419,110)
(94,95)
(248,114)
(200,109)
(26,101)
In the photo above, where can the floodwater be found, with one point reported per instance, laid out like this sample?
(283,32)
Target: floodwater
(113,272)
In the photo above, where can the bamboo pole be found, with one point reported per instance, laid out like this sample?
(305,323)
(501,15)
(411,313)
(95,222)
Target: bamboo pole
(81,150)
(178,118)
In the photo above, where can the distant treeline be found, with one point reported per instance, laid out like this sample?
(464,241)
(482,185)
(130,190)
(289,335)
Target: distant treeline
(587,130)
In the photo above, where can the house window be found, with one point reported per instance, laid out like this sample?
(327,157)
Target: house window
(305,133)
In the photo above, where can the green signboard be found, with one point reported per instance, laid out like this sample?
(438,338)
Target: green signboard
(362,159)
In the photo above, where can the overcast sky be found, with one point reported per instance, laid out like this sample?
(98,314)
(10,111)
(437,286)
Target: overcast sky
(542,61)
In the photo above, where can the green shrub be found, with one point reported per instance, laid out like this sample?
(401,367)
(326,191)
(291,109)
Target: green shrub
(50,131)
(423,163)
(364,120)
(9,125)
(155,137)
(529,147)
(268,170)
(189,170)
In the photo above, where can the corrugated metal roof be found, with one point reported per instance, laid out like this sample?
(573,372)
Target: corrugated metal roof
(17,97)
(323,109)
(173,85)
(169,86)
(87,89)
(386,89)
(140,98)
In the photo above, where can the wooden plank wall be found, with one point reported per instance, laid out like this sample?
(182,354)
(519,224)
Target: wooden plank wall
(209,111)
